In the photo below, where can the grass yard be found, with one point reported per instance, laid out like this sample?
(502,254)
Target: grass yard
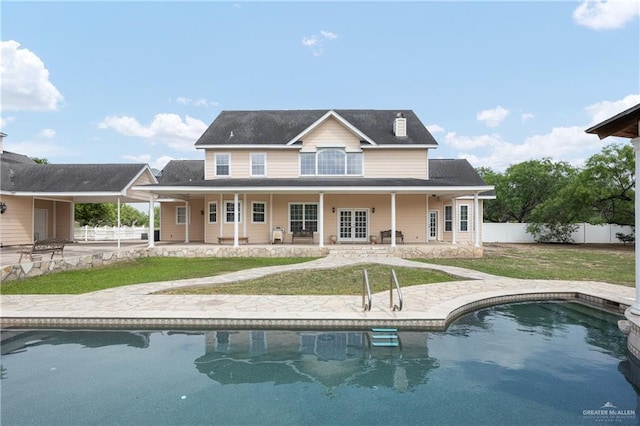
(346,280)
(590,262)
(144,270)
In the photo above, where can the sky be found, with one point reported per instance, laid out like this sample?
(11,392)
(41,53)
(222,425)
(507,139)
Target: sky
(496,83)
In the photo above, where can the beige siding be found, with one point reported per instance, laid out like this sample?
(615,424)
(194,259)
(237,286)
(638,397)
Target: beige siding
(172,231)
(411,217)
(401,163)
(144,179)
(63,221)
(16,224)
(331,133)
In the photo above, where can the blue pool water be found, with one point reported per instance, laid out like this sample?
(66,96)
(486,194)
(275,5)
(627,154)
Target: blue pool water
(535,363)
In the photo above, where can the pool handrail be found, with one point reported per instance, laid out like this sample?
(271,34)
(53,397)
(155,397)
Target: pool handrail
(393,278)
(366,288)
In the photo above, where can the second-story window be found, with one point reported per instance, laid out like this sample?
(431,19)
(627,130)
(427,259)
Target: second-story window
(331,162)
(223,164)
(258,164)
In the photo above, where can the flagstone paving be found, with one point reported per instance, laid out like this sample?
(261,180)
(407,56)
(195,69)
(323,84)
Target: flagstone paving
(428,306)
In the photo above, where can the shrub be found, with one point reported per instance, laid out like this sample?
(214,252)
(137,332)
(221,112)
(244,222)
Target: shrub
(552,232)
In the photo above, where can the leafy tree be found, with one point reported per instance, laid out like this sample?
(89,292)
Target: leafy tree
(106,214)
(602,192)
(40,160)
(523,187)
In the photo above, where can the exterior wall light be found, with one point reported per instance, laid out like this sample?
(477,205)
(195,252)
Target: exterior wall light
(3,207)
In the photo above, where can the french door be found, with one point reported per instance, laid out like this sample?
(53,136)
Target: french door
(353,225)
(432,226)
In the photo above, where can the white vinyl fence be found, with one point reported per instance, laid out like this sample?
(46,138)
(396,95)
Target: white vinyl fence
(110,233)
(586,233)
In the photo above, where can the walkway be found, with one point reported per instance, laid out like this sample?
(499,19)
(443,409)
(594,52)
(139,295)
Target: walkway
(430,306)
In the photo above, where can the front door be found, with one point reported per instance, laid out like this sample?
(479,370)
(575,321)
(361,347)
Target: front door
(354,225)
(433,225)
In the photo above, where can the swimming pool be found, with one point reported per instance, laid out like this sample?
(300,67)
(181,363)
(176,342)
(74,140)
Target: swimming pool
(533,363)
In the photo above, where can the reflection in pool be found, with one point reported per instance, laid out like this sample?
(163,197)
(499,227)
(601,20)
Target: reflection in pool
(531,363)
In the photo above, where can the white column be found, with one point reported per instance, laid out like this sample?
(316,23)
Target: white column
(476,220)
(454,221)
(222,215)
(427,218)
(119,224)
(236,214)
(321,220)
(152,219)
(270,218)
(635,309)
(72,237)
(186,223)
(55,219)
(393,219)
(245,214)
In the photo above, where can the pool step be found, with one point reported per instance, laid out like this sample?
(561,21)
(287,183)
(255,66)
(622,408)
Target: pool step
(388,338)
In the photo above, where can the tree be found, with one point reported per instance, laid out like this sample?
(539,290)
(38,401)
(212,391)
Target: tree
(106,214)
(602,192)
(523,187)
(40,160)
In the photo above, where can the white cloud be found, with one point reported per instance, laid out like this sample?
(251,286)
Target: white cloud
(569,144)
(170,129)
(601,111)
(196,102)
(527,116)
(329,35)
(606,14)
(316,42)
(434,128)
(25,84)
(309,41)
(47,133)
(5,121)
(493,117)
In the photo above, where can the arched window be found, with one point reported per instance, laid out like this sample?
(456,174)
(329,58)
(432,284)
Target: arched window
(331,162)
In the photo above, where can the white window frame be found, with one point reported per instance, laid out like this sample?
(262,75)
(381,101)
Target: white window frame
(220,155)
(345,157)
(185,215)
(304,214)
(216,212)
(448,221)
(264,163)
(263,212)
(463,219)
(227,212)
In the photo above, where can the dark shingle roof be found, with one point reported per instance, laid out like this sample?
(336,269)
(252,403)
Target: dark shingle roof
(181,171)
(12,157)
(64,178)
(456,172)
(280,127)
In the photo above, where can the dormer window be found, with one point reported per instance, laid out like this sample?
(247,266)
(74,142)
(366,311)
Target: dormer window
(331,162)
(223,164)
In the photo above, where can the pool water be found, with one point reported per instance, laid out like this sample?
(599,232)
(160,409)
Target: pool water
(533,363)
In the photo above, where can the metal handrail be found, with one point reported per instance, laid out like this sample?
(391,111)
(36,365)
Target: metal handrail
(366,287)
(393,278)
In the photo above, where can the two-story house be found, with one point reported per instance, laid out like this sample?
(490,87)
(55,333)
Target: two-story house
(320,177)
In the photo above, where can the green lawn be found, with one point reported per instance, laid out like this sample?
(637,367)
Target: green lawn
(144,270)
(342,281)
(612,264)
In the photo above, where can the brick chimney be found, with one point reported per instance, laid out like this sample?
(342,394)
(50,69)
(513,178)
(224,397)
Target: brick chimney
(400,126)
